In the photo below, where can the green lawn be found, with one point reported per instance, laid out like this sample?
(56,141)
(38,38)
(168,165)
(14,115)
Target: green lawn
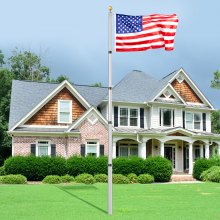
(155,201)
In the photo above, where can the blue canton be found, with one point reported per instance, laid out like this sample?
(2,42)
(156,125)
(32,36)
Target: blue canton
(126,24)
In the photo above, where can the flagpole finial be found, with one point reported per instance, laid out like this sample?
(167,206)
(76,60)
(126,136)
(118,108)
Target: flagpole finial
(110,8)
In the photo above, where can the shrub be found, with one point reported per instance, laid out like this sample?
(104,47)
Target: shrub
(145,178)
(13,179)
(119,179)
(2,171)
(52,179)
(85,178)
(212,174)
(125,166)
(200,166)
(35,168)
(101,178)
(67,178)
(132,178)
(77,165)
(160,168)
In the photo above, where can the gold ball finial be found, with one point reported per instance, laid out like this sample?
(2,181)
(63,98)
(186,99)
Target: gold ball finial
(110,8)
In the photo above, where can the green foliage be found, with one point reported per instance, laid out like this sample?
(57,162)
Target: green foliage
(215,119)
(2,171)
(145,178)
(125,166)
(97,84)
(92,165)
(85,178)
(52,179)
(101,178)
(13,179)
(67,178)
(119,179)
(212,174)
(215,83)
(160,168)
(35,168)
(132,178)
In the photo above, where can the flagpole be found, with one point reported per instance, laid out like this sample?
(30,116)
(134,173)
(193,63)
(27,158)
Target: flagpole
(110,110)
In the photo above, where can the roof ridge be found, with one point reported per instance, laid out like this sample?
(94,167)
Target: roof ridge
(168,75)
(90,86)
(30,81)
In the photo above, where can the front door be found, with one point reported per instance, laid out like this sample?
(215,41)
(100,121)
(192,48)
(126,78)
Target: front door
(169,153)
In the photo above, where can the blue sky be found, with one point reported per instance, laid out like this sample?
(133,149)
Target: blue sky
(72,38)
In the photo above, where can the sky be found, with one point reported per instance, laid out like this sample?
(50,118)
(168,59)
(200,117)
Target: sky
(72,39)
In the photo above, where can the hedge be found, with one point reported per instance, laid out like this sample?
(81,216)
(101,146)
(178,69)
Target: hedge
(212,174)
(85,178)
(35,168)
(13,179)
(145,178)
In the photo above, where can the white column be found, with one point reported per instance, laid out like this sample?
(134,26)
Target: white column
(142,150)
(162,149)
(218,149)
(114,149)
(190,158)
(207,151)
(201,151)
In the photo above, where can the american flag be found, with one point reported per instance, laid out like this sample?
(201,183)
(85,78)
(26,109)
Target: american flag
(139,33)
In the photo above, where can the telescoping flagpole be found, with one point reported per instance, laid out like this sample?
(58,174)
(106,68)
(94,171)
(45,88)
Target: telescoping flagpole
(110,111)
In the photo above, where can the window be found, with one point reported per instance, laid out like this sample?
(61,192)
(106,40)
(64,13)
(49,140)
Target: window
(64,111)
(129,117)
(126,150)
(193,120)
(43,148)
(92,148)
(166,117)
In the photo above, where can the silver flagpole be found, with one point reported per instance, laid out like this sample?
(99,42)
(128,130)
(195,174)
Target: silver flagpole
(110,111)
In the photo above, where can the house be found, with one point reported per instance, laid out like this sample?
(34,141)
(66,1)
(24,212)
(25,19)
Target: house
(169,117)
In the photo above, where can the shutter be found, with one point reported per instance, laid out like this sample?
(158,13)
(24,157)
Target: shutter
(115,116)
(204,121)
(33,149)
(53,150)
(160,117)
(101,149)
(142,117)
(173,118)
(117,151)
(83,150)
(183,119)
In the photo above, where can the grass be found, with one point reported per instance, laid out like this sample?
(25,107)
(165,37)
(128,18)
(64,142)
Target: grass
(134,201)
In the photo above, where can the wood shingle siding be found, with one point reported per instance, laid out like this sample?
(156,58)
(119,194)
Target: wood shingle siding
(48,114)
(185,91)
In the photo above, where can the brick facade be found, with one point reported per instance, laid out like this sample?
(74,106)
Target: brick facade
(66,146)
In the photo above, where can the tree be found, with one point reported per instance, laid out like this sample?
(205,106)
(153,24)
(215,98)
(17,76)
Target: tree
(215,118)
(27,66)
(59,79)
(97,84)
(215,83)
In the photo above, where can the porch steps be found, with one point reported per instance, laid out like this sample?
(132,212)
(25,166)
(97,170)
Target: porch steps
(182,178)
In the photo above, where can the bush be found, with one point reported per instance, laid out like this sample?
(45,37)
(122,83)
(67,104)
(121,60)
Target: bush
(52,179)
(35,168)
(119,179)
(2,171)
(132,178)
(77,165)
(67,178)
(160,168)
(13,179)
(101,178)
(125,166)
(145,178)
(212,174)
(200,166)
(85,178)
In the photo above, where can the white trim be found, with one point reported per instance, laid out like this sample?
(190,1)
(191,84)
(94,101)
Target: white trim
(48,98)
(44,126)
(193,125)
(37,147)
(43,133)
(70,111)
(97,146)
(161,118)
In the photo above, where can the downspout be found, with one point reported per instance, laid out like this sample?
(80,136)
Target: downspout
(138,140)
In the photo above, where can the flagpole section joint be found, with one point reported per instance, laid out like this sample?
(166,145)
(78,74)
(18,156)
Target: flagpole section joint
(110,8)
(110,51)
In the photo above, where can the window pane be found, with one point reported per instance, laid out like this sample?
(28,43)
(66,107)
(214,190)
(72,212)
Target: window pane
(123,151)
(197,125)
(167,117)
(133,151)
(133,121)
(133,113)
(124,121)
(65,106)
(124,112)
(189,117)
(42,151)
(197,117)
(197,121)
(64,117)
(189,125)
(91,149)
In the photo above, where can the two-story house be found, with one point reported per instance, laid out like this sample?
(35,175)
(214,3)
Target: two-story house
(170,117)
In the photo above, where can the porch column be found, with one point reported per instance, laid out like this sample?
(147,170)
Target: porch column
(218,149)
(190,158)
(114,149)
(142,150)
(207,150)
(162,149)
(201,151)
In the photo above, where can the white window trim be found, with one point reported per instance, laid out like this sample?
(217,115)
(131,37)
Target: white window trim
(129,108)
(161,119)
(58,115)
(97,147)
(49,147)
(201,125)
